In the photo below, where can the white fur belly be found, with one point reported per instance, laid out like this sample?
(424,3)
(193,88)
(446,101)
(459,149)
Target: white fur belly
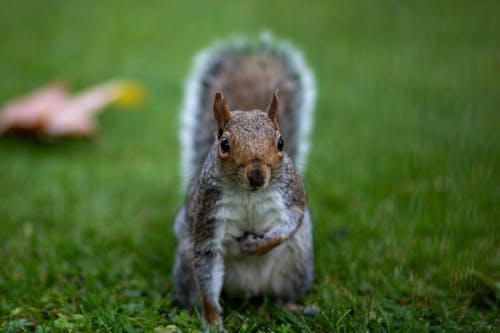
(240,212)
(243,212)
(251,275)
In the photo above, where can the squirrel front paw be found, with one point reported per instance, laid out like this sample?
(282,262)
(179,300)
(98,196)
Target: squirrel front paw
(212,315)
(249,243)
(253,244)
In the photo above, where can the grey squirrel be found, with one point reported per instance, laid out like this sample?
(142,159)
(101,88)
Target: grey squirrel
(245,227)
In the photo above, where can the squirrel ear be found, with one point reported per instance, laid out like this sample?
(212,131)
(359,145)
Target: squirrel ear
(221,112)
(273,106)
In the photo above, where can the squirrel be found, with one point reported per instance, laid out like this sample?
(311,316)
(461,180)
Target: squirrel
(245,227)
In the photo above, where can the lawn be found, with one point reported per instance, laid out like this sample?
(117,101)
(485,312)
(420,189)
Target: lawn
(403,177)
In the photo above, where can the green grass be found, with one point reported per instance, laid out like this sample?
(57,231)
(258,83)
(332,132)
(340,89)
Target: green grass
(403,178)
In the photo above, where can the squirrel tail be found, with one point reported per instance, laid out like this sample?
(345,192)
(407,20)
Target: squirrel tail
(197,125)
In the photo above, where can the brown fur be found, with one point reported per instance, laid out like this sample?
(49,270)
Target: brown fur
(252,136)
(209,314)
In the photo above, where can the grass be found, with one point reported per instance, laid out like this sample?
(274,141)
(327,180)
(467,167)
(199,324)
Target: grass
(403,178)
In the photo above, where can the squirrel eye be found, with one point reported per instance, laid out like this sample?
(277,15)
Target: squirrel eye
(224,144)
(280,144)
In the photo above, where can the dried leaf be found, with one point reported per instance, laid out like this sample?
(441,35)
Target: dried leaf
(51,112)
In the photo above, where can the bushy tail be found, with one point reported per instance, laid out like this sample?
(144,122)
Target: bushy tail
(197,124)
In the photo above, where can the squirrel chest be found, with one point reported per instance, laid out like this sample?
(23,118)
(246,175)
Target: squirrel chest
(242,211)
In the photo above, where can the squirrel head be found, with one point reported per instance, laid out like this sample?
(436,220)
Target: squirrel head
(250,146)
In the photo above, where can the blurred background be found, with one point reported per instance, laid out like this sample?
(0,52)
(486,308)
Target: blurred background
(402,179)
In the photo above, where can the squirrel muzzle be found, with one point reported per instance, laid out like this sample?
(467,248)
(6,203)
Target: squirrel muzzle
(257,176)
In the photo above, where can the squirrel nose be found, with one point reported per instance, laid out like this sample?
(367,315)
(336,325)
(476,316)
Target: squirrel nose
(256,178)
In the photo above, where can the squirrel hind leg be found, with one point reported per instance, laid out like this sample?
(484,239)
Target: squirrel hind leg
(293,274)
(185,289)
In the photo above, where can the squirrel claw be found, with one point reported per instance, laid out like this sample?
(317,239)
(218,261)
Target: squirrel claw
(214,329)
